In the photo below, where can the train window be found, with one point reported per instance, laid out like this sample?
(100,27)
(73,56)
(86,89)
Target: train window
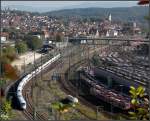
(23,104)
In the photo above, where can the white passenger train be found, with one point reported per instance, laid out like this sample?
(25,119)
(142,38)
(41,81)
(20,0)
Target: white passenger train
(28,77)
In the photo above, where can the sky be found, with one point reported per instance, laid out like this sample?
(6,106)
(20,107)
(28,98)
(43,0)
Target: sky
(64,3)
(71,4)
(40,3)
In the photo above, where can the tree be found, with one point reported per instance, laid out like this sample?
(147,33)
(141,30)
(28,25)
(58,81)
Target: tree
(140,104)
(6,106)
(8,56)
(33,42)
(9,52)
(21,47)
(147,18)
(6,110)
(59,38)
(4,60)
(10,72)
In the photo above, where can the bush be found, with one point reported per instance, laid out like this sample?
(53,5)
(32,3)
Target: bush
(6,110)
(9,53)
(21,47)
(139,103)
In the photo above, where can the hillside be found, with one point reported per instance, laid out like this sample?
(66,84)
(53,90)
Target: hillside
(118,14)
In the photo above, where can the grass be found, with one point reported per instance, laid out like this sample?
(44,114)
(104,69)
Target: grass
(55,90)
(84,110)
(90,113)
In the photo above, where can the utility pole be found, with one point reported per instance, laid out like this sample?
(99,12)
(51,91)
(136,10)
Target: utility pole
(149,56)
(34,108)
(24,66)
(41,68)
(88,55)
(0,61)
(0,67)
(69,67)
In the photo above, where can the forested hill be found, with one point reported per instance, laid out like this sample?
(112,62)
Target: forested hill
(123,14)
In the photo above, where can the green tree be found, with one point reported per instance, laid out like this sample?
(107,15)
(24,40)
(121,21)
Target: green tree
(21,47)
(6,110)
(59,38)
(2,82)
(147,18)
(33,42)
(4,60)
(140,104)
(9,52)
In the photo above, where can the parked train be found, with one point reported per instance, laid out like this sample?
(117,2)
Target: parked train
(28,77)
(102,92)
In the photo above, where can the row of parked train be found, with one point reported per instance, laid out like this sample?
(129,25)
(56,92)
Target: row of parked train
(28,77)
(103,92)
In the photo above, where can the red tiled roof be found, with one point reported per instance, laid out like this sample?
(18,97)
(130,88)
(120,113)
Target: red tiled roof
(4,34)
(143,2)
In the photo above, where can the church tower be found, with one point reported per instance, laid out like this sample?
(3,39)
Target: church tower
(109,18)
(97,34)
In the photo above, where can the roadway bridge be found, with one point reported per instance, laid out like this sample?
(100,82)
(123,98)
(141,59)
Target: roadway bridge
(106,39)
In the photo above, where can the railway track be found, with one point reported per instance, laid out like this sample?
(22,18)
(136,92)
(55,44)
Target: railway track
(69,88)
(29,112)
(66,86)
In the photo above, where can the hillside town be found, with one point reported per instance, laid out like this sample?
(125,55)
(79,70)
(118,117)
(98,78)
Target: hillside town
(71,63)
(47,28)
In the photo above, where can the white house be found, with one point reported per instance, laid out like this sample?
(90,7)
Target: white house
(3,39)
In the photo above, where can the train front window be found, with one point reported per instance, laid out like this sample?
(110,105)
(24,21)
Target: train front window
(23,104)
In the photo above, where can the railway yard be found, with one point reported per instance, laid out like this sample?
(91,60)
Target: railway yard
(71,71)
